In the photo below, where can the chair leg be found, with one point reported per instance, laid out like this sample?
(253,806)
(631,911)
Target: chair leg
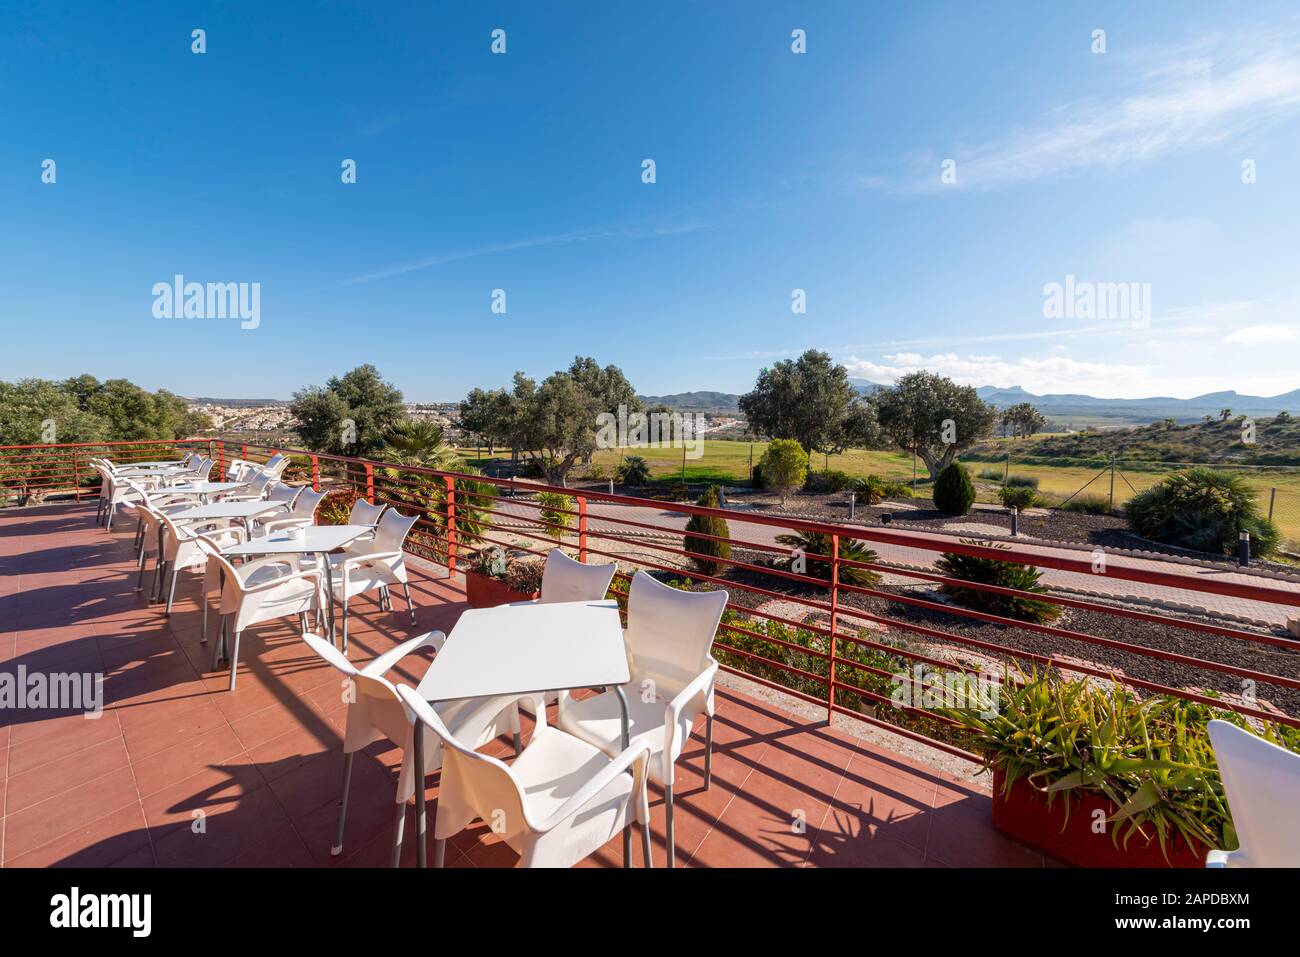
(157,575)
(627,845)
(645,845)
(345,625)
(410,609)
(708,752)
(337,849)
(440,853)
(171,592)
(234,660)
(203,635)
(421,840)
(399,826)
(219,645)
(139,582)
(670,832)
(108,521)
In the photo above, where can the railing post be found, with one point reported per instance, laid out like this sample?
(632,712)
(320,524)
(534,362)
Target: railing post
(451,524)
(315,473)
(835,604)
(582,528)
(243,452)
(76,476)
(370,483)
(221,457)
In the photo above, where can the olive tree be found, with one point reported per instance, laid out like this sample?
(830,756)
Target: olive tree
(934,416)
(809,400)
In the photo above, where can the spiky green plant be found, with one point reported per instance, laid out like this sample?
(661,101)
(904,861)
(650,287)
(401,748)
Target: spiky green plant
(819,543)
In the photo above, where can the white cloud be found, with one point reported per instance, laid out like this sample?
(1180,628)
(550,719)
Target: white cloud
(1039,375)
(1262,335)
(1190,98)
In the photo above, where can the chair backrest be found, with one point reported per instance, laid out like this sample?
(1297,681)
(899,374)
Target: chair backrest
(276,465)
(283,493)
(1261,781)
(258,486)
(670,631)
(472,784)
(363,513)
(304,506)
(566,579)
(378,705)
(392,530)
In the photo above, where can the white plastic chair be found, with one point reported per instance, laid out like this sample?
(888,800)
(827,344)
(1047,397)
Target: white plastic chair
(363,513)
(301,514)
(275,465)
(181,549)
(1262,784)
(372,563)
(560,800)
(257,489)
(257,591)
(669,635)
(375,711)
(115,490)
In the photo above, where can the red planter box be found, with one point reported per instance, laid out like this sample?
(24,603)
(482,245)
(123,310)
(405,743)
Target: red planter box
(1024,815)
(484,591)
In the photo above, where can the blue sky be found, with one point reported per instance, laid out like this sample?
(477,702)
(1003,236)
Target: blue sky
(775,172)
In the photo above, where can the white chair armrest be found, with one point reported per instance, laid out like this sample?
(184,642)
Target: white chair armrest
(311,573)
(639,751)
(330,654)
(698,685)
(385,662)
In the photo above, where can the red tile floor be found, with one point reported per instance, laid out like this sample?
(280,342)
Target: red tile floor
(180,772)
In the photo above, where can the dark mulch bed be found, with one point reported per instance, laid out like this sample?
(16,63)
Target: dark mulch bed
(1160,636)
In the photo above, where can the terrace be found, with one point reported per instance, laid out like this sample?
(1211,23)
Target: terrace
(179,771)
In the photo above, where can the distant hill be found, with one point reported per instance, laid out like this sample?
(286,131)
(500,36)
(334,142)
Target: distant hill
(696,401)
(1277,442)
(1130,411)
(238,403)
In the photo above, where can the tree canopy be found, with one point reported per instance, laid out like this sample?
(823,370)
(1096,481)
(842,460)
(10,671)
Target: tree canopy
(934,416)
(809,400)
(361,397)
(83,409)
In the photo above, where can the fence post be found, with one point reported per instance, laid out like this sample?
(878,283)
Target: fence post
(243,452)
(315,473)
(221,458)
(370,483)
(76,476)
(1272,497)
(582,528)
(1110,509)
(835,604)
(451,524)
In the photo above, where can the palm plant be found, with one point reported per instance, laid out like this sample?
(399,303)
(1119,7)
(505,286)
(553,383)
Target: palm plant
(420,442)
(819,543)
(634,471)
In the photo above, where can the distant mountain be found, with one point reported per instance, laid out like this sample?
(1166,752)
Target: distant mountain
(696,401)
(1143,410)
(237,403)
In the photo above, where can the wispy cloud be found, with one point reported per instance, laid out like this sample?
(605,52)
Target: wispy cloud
(1262,335)
(1184,98)
(589,235)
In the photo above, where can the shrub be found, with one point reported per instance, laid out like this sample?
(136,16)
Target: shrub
(870,490)
(635,470)
(1201,509)
(708,525)
(1017,497)
(554,511)
(898,490)
(1022,481)
(756,476)
(828,480)
(991,475)
(335,508)
(953,491)
(1088,504)
(596,473)
(991,571)
(819,543)
(785,464)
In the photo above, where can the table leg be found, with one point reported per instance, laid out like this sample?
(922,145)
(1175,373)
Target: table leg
(627,831)
(324,560)
(418,759)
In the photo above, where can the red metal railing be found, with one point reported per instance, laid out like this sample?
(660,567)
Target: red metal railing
(841,664)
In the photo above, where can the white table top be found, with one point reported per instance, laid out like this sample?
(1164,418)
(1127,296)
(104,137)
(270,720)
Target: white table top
(204,488)
(525,648)
(171,464)
(230,510)
(315,539)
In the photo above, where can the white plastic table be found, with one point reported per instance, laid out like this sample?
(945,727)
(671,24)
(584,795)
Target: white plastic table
(203,491)
(317,540)
(530,648)
(244,511)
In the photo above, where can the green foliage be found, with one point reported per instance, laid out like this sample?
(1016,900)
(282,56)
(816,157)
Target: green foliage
(717,551)
(870,490)
(954,492)
(1022,481)
(1202,509)
(635,470)
(784,465)
(1022,419)
(808,400)
(921,409)
(336,507)
(420,442)
(818,543)
(990,475)
(1013,497)
(828,480)
(554,511)
(1151,757)
(360,397)
(990,571)
(1087,504)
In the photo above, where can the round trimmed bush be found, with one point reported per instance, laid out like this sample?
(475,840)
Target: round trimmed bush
(1202,509)
(954,492)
